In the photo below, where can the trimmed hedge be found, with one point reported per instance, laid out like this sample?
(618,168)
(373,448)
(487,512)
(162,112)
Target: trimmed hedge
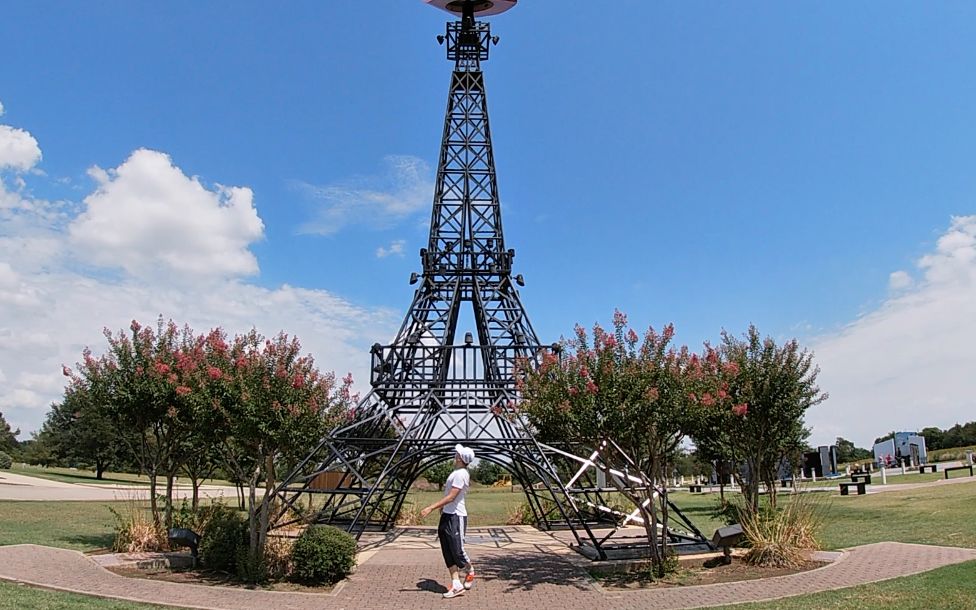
(323,555)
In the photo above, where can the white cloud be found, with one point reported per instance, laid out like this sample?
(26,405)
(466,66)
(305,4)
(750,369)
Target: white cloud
(160,227)
(18,149)
(375,201)
(911,362)
(149,218)
(899,280)
(1,108)
(395,247)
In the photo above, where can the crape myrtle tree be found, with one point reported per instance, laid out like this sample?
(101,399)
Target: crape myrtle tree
(715,418)
(142,383)
(633,391)
(771,388)
(265,405)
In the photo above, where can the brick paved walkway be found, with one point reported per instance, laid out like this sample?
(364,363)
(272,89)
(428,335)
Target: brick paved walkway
(517,568)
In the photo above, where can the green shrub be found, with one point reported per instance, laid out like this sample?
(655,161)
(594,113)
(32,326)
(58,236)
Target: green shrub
(323,555)
(223,541)
(5,461)
(197,520)
(251,569)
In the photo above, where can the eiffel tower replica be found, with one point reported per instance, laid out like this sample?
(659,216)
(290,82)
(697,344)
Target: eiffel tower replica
(431,390)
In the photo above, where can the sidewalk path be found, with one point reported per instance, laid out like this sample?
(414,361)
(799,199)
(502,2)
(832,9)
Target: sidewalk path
(23,487)
(517,568)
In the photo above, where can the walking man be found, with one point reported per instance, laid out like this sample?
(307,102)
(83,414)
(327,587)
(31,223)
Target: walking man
(454,522)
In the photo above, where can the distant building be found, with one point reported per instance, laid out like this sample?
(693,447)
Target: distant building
(906,448)
(820,463)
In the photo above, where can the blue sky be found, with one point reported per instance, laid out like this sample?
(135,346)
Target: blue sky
(803,167)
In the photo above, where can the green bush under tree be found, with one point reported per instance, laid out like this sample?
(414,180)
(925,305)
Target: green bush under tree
(323,555)
(223,540)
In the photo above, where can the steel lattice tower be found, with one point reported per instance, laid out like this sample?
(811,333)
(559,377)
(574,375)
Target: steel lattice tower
(430,391)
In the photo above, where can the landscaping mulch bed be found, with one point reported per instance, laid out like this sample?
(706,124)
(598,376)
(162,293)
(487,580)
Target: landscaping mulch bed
(216,579)
(693,573)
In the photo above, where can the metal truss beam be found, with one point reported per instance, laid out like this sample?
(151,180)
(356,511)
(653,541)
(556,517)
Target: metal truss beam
(429,393)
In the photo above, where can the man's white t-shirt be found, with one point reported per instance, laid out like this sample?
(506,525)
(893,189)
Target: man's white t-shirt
(461,479)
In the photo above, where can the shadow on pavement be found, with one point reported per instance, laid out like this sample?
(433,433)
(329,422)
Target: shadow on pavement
(526,571)
(431,585)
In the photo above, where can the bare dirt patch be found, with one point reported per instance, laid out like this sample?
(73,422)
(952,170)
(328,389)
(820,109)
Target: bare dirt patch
(694,573)
(215,579)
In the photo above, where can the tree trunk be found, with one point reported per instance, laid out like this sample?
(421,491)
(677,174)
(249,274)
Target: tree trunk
(99,470)
(153,505)
(265,514)
(663,504)
(195,482)
(169,500)
(252,523)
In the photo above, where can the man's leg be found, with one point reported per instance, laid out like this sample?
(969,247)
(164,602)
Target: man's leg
(469,576)
(457,555)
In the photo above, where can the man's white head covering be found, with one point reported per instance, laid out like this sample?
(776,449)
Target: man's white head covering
(466,453)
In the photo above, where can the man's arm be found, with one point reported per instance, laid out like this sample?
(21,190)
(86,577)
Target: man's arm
(451,495)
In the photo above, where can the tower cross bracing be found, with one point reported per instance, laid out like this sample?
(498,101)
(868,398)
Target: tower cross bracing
(430,391)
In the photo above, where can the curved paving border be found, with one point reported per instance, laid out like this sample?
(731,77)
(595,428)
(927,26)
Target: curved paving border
(523,575)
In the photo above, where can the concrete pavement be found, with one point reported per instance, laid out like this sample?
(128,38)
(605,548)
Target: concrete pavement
(516,567)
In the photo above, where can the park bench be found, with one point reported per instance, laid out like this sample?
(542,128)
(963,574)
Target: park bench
(929,467)
(860,485)
(948,470)
(864,476)
(695,489)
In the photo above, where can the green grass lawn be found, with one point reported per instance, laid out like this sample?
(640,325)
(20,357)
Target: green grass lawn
(949,588)
(486,505)
(82,526)
(944,515)
(18,597)
(70,475)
